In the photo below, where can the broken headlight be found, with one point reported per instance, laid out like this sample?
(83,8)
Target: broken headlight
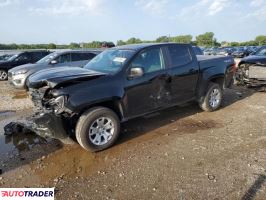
(58,104)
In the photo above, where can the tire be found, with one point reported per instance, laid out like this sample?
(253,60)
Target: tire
(208,104)
(3,75)
(90,135)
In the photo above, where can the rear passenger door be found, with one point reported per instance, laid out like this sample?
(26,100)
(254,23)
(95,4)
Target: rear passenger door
(183,70)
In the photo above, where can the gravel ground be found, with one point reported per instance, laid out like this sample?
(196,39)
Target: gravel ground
(179,153)
(11,99)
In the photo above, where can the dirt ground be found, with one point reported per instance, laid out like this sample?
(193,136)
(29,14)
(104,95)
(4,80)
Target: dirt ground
(180,153)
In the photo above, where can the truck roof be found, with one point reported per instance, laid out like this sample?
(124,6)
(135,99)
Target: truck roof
(140,46)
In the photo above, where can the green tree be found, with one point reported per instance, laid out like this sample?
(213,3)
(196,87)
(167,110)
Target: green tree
(74,45)
(207,39)
(261,39)
(182,39)
(162,39)
(134,41)
(51,46)
(120,43)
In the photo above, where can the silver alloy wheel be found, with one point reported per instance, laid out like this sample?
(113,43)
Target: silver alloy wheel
(101,131)
(215,98)
(3,75)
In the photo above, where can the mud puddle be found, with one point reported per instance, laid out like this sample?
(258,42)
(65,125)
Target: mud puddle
(16,143)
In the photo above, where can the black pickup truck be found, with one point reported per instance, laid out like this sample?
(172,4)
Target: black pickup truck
(123,83)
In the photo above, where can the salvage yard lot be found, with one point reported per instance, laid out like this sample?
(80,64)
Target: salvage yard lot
(179,153)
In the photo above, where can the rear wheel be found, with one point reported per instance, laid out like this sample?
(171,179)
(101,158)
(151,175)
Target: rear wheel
(3,75)
(213,98)
(97,129)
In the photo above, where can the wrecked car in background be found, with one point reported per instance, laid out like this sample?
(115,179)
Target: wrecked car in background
(123,83)
(252,69)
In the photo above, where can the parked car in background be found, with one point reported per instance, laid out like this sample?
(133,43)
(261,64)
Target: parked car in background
(20,59)
(240,52)
(5,57)
(197,50)
(123,83)
(72,58)
(225,51)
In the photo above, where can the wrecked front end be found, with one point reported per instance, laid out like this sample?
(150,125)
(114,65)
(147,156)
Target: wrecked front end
(50,117)
(253,75)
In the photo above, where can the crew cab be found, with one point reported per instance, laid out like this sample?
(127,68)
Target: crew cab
(123,83)
(20,58)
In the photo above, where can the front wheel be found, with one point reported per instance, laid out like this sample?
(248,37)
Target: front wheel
(97,129)
(213,98)
(3,75)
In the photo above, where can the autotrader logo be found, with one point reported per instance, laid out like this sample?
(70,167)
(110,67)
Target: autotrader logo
(27,193)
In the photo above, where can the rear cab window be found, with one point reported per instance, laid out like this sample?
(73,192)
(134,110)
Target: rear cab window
(180,55)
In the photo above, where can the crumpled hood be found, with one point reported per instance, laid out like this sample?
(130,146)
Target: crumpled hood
(255,59)
(53,77)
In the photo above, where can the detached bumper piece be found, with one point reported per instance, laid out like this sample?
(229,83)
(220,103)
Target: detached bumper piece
(49,125)
(44,125)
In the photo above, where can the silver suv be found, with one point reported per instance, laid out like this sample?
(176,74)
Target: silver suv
(72,58)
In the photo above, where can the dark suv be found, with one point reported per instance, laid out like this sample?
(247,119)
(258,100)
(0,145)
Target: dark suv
(20,59)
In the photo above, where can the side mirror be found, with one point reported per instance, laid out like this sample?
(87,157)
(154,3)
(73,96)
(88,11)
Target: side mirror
(135,72)
(53,62)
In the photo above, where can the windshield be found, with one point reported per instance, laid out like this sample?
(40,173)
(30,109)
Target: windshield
(48,58)
(12,57)
(109,61)
(261,52)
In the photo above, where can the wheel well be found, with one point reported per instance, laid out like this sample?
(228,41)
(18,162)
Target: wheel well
(113,105)
(218,80)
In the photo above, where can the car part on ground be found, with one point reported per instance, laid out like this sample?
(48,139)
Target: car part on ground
(124,83)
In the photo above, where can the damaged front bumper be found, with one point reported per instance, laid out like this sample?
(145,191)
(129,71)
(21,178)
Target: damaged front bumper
(251,75)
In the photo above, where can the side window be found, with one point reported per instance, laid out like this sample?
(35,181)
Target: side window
(36,56)
(64,58)
(180,55)
(82,56)
(88,56)
(150,60)
(23,57)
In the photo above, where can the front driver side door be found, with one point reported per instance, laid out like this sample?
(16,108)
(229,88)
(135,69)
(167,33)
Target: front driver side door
(146,94)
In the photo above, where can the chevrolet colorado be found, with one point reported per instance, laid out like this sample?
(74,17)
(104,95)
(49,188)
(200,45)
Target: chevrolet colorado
(123,83)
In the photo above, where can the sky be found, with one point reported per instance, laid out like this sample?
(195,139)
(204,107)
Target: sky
(65,21)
